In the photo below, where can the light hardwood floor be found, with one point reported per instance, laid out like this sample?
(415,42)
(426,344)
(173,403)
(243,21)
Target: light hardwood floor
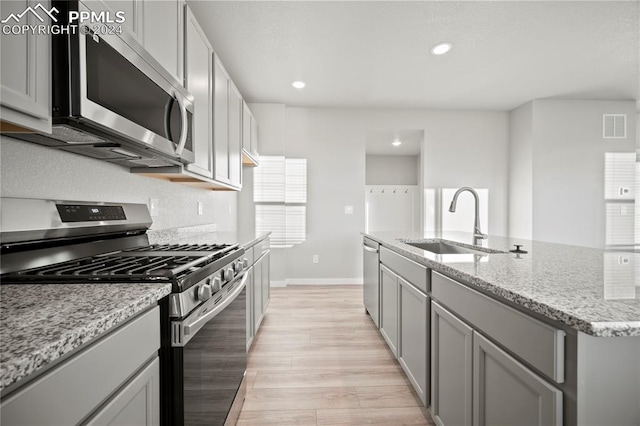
(319,360)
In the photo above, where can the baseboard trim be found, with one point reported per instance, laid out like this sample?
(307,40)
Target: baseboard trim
(323,281)
(278,283)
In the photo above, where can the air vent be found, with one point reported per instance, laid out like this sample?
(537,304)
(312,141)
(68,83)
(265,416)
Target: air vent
(614,126)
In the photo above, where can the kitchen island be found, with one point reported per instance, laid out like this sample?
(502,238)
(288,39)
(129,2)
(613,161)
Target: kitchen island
(559,323)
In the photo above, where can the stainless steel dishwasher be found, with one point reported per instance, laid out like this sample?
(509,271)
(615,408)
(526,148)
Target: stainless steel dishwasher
(371,288)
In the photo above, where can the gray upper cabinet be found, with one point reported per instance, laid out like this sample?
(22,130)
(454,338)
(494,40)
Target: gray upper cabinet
(250,155)
(235,136)
(506,392)
(414,338)
(389,320)
(451,363)
(25,95)
(227,127)
(222,86)
(198,75)
(133,14)
(164,34)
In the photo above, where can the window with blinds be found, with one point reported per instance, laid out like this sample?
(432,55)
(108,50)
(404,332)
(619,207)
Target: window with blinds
(280,195)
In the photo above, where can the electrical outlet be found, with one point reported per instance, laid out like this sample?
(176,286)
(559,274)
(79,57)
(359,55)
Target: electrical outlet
(316,258)
(348,209)
(200,208)
(153,207)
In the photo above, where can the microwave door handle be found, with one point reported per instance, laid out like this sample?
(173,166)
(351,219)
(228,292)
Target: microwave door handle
(167,118)
(185,123)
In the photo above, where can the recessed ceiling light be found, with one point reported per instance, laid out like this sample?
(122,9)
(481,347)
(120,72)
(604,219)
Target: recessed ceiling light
(396,142)
(298,84)
(441,49)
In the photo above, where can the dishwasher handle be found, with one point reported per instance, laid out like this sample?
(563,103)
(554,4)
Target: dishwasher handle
(370,249)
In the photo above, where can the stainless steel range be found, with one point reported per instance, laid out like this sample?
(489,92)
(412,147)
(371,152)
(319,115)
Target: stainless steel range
(204,319)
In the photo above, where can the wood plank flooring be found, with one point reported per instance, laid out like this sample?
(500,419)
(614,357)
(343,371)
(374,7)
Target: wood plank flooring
(319,360)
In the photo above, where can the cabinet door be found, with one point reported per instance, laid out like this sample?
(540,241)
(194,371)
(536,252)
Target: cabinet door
(266,283)
(235,136)
(250,332)
(26,69)
(221,88)
(389,308)
(507,392)
(137,404)
(133,11)
(198,72)
(451,363)
(254,138)
(246,127)
(414,337)
(163,34)
(257,295)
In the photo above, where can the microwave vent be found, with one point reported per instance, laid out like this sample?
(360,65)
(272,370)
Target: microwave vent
(71,136)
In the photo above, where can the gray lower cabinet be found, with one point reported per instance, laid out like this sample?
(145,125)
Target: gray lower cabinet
(137,403)
(414,337)
(389,319)
(506,392)
(257,294)
(114,380)
(266,282)
(451,364)
(25,62)
(250,323)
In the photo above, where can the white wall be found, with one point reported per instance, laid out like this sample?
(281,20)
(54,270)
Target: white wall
(392,169)
(462,148)
(32,171)
(562,141)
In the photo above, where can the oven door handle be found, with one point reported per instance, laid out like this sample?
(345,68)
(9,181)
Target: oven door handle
(193,327)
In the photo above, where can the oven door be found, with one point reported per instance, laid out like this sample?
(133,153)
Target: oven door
(121,89)
(209,359)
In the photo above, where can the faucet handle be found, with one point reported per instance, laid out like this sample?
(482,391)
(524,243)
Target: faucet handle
(518,249)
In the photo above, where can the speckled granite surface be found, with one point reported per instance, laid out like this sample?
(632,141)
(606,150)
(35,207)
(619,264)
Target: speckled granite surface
(203,234)
(594,291)
(41,323)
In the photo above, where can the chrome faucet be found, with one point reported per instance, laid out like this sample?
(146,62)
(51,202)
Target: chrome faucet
(477,234)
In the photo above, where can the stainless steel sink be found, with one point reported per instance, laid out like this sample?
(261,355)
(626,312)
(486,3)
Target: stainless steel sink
(441,247)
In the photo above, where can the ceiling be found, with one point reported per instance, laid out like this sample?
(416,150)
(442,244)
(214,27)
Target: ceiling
(378,142)
(375,54)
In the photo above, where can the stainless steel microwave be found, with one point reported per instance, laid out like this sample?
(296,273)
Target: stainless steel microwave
(111,100)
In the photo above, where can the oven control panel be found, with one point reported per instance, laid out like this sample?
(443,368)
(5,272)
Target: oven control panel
(89,213)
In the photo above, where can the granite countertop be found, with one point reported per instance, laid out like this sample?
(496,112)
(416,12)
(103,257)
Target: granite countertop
(204,234)
(591,290)
(39,323)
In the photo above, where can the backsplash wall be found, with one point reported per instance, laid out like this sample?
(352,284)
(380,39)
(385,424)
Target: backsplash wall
(32,171)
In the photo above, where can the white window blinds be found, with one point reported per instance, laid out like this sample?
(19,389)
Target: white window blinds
(280,194)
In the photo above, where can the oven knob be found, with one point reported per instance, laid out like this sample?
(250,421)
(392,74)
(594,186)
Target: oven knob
(216,285)
(238,266)
(204,293)
(245,263)
(228,274)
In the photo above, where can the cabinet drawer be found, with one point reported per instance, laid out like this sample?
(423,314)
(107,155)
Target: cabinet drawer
(537,343)
(411,271)
(261,248)
(71,391)
(248,254)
